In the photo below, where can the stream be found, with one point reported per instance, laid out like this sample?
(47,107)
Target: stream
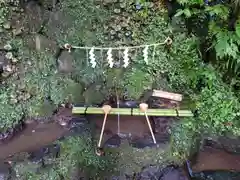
(38,135)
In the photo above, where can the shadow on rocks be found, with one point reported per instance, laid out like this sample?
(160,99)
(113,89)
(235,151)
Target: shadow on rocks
(168,173)
(5,171)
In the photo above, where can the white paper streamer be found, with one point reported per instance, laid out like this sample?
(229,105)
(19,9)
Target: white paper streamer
(92,58)
(145,54)
(109,58)
(125,58)
(168,41)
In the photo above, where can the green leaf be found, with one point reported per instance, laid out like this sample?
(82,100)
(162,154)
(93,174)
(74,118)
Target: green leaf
(179,13)
(187,13)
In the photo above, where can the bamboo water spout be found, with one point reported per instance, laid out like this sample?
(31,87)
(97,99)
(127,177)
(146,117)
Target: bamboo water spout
(134,112)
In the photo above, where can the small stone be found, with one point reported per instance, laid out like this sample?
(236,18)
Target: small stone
(22,86)
(14,60)
(123,5)
(138,6)
(124,24)
(112,32)
(118,28)
(63,123)
(20,97)
(8,47)
(13,101)
(120,35)
(5,75)
(7,26)
(27,96)
(117,11)
(128,33)
(17,32)
(7,68)
(9,55)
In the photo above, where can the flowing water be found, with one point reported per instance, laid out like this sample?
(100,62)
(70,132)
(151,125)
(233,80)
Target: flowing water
(33,137)
(37,135)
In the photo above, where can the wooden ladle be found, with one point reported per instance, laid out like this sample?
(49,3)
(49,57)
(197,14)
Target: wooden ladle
(143,108)
(106,109)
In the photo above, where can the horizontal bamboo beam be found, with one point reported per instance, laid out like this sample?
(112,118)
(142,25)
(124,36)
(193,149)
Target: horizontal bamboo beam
(134,111)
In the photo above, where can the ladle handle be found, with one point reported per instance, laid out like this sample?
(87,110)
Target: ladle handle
(102,130)
(150,127)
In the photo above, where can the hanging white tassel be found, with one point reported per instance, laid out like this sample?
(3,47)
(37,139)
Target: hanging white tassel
(109,58)
(125,58)
(145,54)
(92,58)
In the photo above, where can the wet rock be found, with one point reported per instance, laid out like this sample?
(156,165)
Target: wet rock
(128,104)
(113,142)
(34,17)
(172,173)
(147,141)
(141,143)
(162,125)
(45,154)
(3,60)
(77,121)
(37,156)
(155,172)
(5,171)
(65,62)
(63,116)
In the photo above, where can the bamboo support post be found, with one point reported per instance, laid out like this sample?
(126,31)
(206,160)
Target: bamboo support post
(134,112)
(143,108)
(167,95)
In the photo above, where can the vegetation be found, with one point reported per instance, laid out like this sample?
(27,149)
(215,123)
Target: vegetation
(74,161)
(209,75)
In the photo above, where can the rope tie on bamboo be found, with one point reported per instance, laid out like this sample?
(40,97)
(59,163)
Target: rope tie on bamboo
(168,41)
(144,108)
(177,112)
(85,112)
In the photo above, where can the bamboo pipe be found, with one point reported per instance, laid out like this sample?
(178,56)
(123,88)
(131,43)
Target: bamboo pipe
(167,95)
(134,112)
(143,108)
